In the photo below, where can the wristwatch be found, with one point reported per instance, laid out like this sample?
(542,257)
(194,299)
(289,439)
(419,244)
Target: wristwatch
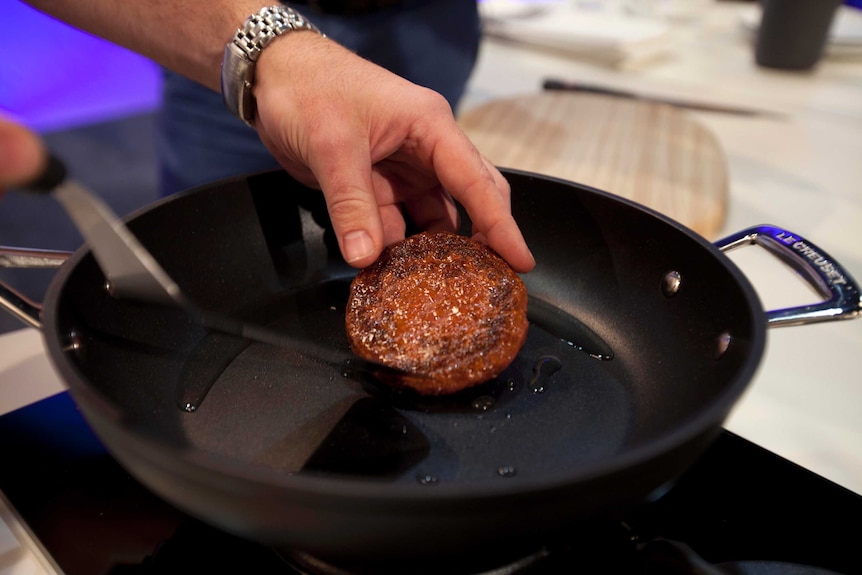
(241,54)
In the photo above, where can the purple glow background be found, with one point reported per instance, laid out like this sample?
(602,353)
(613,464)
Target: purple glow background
(54,77)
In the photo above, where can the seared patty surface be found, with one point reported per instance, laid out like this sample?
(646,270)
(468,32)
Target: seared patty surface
(440,306)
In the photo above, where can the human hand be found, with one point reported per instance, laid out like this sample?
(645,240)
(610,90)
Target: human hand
(22,155)
(376,144)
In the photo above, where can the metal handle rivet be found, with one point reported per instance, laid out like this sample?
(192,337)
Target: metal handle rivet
(671,283)
(724,341)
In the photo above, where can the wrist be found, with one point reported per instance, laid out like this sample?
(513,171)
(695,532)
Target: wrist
(241,54)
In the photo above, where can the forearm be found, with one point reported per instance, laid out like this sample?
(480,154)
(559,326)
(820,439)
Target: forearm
(187,36)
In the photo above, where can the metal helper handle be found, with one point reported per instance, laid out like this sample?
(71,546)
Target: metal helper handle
(816,267)
(19,305)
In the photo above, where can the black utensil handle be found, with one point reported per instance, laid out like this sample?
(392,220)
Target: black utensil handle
(555,84)
(819,269)
(52,176)
(20,306)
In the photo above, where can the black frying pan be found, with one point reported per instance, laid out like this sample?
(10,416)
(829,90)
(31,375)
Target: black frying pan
(643,336)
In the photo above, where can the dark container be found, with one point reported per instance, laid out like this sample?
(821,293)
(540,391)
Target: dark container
(793,33)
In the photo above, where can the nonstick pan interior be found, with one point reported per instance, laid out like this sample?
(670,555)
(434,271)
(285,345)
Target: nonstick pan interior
(622,364)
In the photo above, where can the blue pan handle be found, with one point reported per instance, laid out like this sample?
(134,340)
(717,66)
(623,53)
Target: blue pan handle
(817,268)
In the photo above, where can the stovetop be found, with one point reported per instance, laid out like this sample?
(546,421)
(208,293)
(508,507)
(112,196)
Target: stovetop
(740,509)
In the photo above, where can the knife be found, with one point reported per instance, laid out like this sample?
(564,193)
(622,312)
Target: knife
(555,84)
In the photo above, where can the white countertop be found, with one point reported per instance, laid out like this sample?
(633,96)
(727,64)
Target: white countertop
(803,173)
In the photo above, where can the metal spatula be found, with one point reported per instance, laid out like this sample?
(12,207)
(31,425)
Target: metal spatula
(134,274)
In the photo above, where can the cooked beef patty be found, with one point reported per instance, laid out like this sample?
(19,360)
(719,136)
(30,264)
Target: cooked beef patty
(442,307)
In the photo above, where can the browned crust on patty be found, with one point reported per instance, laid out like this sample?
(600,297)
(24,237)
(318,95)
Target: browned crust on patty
(440,306)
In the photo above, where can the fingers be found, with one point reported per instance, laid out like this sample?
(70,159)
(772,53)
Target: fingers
(394,226)
(433,211)
(22,155)
(485,194)
(424,200)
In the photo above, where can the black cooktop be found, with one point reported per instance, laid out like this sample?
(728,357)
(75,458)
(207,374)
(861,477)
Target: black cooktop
(739,510)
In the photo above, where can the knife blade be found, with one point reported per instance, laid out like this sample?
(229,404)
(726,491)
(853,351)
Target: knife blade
(562,85)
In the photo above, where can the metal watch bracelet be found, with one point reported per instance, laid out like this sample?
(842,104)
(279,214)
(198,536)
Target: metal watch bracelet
(242,52)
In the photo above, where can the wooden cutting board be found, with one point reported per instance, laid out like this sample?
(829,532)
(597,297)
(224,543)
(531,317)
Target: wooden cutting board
(654,154)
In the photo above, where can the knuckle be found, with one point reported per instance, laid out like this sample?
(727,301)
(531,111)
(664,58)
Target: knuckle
(430,101)
(346,202)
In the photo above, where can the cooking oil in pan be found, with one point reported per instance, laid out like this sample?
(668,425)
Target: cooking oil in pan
(563,367)
(216,353)
(507,471)
(545,367)
(542,316)
(307,418)
(568,328)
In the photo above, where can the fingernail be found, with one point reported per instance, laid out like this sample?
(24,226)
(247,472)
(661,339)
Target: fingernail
(357,245)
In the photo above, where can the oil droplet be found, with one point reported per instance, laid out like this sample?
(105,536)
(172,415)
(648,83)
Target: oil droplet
(483,403)
(203,368)
(427,479)
(544,368)
(347,369)
(506,471)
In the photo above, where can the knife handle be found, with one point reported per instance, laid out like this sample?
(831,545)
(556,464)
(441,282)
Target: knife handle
(554,84)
